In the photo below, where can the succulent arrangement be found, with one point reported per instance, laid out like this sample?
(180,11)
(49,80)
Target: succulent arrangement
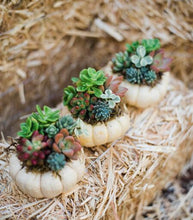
(46,140)
(142,62)
(94,96)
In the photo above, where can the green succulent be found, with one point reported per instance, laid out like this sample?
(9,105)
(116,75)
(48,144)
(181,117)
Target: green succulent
(132,47)
(69,93)
(28,127)
(121,61)
(102,111)
(110,98)
(150,76)
(52,130)
(139,59)
(151,44)
(56,161)
(80,128)
(45,118)
(89,81)
(134,75)
(81,106)
(66,122)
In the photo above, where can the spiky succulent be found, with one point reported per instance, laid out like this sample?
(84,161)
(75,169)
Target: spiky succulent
(45,118)
(66,144)
(140,59)
(150,76)
(90,81)
(52,130)
(66,122)
(114,84)
(69,93)
(160,63)
(134,75)
(33,152)
(81,105)
(102,111)
(140,76)
(28,127)
(56,161)
(121,61)
(110,98)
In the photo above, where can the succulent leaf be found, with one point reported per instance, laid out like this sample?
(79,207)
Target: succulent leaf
(134,75)
(150,76)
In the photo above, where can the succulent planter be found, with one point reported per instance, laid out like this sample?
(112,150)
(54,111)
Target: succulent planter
(143,96)
(145,69)
(102,132)
(95,101)
(46,184)
(48,159)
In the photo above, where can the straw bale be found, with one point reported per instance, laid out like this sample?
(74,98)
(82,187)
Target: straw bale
(43,42)
(121,177)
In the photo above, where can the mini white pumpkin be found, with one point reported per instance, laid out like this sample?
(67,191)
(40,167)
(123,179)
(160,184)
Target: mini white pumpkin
(47,184)
(143,96)
(102,132)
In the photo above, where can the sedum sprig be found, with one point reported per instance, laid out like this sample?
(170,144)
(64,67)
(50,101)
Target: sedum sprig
(28,127)
(110,98)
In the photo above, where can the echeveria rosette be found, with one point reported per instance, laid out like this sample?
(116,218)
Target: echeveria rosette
(45,118)
(121,61)
(90,81)
(140,59)
(28,127)
(110,98)
(66,144)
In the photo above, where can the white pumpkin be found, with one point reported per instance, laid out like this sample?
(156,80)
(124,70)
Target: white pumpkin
(105,132)
(47,184)
(102,132)
(143,96)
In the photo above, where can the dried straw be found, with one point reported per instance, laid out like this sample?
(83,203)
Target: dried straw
(124,176)
(44,42)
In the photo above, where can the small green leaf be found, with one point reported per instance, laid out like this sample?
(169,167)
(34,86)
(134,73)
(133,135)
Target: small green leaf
(135,59)
(97,92)
(75,79)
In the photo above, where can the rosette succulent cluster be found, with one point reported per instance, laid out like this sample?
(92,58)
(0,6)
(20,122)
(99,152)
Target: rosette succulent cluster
(39,135)
(145,62)
(94,95)
(33,152)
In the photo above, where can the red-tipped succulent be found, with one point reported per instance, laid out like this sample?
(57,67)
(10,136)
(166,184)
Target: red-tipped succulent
(160,63)
(114,84)
(66,144)
(33,152)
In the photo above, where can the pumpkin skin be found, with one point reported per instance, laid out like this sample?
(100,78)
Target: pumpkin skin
(143,96)
(47,184)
